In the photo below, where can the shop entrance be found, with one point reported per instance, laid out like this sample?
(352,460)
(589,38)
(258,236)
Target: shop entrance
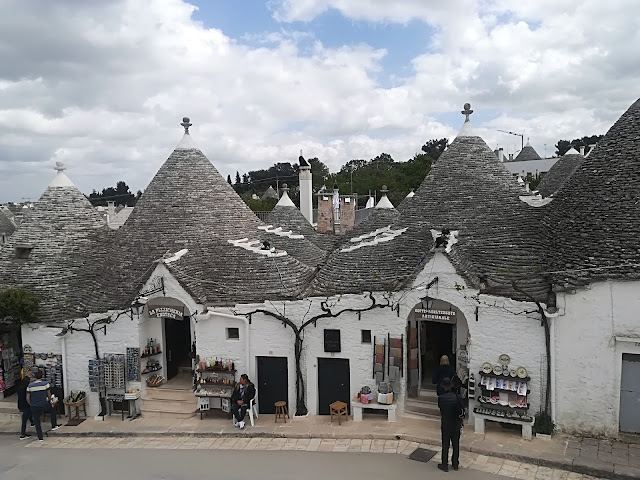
(273,383)
(177,334)
(436,339)
(10,360)
(630,394)
(333,383)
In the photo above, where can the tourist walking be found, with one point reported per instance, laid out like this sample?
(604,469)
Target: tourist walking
(445,370)
(241,399)
(39,399)
(451,414)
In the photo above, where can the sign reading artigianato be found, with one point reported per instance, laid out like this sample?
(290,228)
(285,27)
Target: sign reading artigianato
(444,316)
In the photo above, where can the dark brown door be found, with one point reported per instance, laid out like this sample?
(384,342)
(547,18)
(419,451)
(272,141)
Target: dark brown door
(273,383)
(333,383)
(177,334)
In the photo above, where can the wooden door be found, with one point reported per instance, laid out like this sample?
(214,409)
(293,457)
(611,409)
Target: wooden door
(333,383)
(272,384)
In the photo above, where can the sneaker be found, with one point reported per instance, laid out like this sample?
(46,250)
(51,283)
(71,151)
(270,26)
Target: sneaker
(24,437)
(40,440)
(241,425)
(235,423)
(33,425)
(455,467)
(444,468)
(56,427)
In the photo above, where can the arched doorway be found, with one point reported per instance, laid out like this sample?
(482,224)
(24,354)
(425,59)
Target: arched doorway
(434,328)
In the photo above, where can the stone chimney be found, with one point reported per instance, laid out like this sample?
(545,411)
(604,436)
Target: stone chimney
(325,213)
(526,187)
(347,214)
(306,186)
(511,157)
(501,154)
(582,150)
(111,212)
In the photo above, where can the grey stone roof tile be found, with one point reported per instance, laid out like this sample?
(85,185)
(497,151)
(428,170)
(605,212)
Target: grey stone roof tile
(6,226)
(593,223)
(558,174)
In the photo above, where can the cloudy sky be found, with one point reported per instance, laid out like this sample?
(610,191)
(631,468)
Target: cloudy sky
(103,84)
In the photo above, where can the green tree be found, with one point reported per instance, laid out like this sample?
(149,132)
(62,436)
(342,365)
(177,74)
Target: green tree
(435,147)
(238,178)
(18,306)
(563,146)
(229,180)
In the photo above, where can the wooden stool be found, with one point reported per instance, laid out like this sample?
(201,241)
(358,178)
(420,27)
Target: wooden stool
(281,411)
(78,405)
(338,408)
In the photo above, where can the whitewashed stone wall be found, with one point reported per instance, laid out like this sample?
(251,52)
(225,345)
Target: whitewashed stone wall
(588,356)
(501,326)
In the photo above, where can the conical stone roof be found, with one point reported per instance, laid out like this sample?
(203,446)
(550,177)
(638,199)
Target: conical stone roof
(593,223)
(58,239)
(527,153)
(6,226)
(559,173)
(469,190)
(189,205)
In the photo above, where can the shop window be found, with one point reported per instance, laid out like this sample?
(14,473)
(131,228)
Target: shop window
(366,336)
(233,333)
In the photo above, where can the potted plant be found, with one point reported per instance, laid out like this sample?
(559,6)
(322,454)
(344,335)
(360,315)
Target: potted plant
(544,425)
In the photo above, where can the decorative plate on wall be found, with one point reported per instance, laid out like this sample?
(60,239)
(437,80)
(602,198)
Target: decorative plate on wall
(513,372)
(504,359)
(497,369)
(522,372)
(486,367)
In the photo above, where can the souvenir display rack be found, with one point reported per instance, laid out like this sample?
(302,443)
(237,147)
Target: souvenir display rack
(215,382)
(133,364)
(503,395)
(379,359)
(9,362)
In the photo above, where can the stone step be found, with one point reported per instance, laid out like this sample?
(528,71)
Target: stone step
(150,413)
(163,404)
(9,416)
(169,394)
(424,408)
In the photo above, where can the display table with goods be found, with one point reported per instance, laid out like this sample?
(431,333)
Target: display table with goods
(215,380)
(78,401)
(503,397)
(383,400)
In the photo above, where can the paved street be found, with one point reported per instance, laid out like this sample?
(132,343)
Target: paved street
(243,458)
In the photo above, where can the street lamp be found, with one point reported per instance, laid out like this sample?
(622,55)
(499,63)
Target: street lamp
(137,307)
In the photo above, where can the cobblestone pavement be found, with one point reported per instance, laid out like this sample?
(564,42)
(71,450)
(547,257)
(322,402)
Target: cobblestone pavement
(468,460)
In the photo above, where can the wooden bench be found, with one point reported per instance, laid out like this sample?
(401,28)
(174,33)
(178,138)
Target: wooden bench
(357,407)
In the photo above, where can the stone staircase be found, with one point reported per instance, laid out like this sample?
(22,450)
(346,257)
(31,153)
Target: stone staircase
(9,408)
(424,405)
(174,399)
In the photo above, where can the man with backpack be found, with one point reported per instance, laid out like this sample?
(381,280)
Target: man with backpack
(451,415)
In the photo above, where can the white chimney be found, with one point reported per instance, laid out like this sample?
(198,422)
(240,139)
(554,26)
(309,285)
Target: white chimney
(526,187)
(306,185)
(511,157)
(582,150)
(111,212)
(501,154)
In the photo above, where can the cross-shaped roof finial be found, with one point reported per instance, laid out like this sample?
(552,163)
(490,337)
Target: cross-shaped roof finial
(466,112)
(59,167)
(185,123)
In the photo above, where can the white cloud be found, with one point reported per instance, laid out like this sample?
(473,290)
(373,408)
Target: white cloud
(103,85)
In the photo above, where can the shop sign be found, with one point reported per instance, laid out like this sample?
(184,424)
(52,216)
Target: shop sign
(443,316)
(177,313)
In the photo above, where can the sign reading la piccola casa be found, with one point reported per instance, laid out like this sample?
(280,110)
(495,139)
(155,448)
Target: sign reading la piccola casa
(177,313)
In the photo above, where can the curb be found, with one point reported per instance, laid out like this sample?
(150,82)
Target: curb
(561,463)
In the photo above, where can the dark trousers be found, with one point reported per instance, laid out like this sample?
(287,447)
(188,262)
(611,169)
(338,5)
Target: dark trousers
(37,417)
(26,415)
(450,435)
(239,411)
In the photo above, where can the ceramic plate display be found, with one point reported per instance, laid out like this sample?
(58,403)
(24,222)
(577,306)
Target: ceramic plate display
(497,369)
(486,367)
(513,372)
(504,359)
(522,372)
